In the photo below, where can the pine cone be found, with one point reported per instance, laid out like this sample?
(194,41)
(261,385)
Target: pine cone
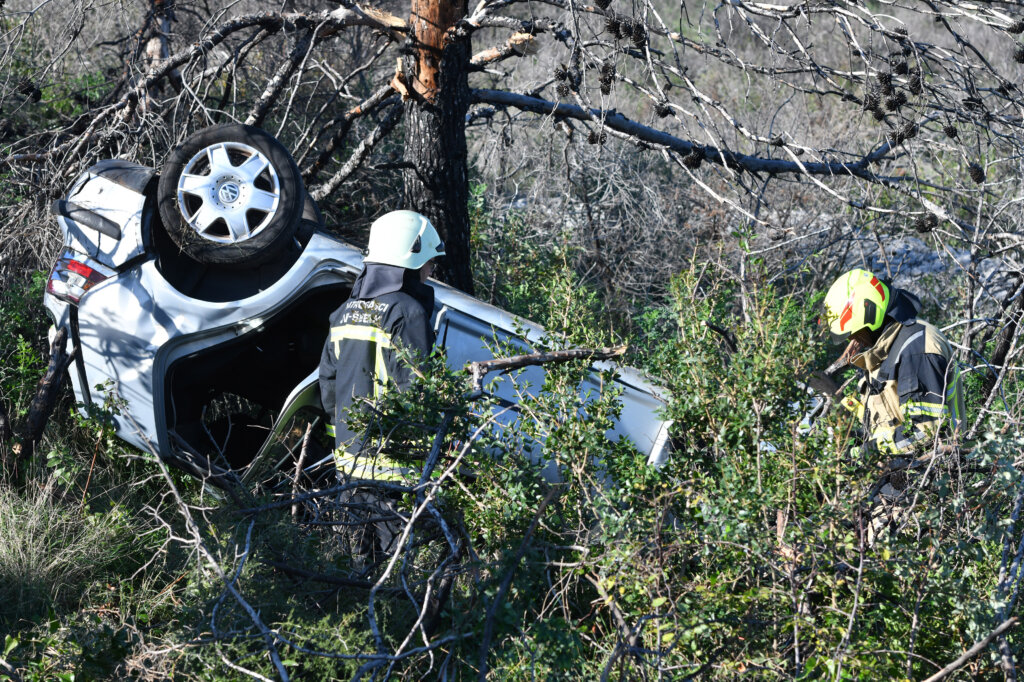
(1016,27)
(926,223)
(693,159)
(603,4)
(662,109)
(977,173)
(28,88)
(950,131)
(611,24)
(562,90)
(639,34)
(914,84)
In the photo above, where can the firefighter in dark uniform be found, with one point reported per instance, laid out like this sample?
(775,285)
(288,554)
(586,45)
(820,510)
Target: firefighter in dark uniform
(378,335)
(910,390)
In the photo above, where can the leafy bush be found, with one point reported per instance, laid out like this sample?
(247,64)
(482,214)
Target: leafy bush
(23,344)
(760,549)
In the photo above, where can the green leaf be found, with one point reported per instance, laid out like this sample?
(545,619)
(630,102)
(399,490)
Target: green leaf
(10,644)
(658,602)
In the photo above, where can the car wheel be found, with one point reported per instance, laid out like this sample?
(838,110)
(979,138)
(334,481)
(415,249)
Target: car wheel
(231,194)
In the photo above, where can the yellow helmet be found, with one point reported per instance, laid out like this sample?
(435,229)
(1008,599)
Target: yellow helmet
(857,300)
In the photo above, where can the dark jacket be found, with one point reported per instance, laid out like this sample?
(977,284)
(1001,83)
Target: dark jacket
(911,388)
(388,308)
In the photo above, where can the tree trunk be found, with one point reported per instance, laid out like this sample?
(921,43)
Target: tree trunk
(435,132)
(155,46)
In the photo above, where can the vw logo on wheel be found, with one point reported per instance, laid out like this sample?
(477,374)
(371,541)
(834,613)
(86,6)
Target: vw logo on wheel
(229,192)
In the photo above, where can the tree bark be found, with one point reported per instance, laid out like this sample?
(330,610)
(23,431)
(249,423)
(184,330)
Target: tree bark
(157,46)
(435,135)
(42,405)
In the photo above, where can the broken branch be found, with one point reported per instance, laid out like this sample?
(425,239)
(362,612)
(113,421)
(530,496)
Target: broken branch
(478,370)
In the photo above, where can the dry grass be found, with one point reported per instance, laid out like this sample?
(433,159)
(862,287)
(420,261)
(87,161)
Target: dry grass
(50,551)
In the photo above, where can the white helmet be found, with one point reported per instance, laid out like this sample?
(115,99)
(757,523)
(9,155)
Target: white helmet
(403,238)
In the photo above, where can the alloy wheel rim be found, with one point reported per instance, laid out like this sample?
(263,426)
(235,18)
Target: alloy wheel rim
(229,192)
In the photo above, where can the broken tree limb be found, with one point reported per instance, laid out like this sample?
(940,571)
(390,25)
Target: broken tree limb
(519,45)
(478,370)
(281,77)
(378,99)
(617,122)
(973,651)
(327,24)
(46,395)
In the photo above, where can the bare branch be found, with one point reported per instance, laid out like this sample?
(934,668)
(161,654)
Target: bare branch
(478,370)
(977,648)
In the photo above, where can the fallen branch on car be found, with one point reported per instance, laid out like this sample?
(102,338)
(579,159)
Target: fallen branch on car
(478,370)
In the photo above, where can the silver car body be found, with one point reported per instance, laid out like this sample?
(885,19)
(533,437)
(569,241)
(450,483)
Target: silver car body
(134,327)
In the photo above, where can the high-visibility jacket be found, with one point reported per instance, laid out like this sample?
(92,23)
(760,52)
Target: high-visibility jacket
(911,387)
(389,308)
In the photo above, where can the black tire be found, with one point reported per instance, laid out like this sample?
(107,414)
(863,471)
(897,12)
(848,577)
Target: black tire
(229,208)
(312,220)
(311,212)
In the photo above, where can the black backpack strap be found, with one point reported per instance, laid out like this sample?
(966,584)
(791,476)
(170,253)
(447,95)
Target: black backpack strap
(911,332)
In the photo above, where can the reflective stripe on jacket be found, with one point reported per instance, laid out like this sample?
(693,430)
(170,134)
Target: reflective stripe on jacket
(378,338)
(387,310)
(912,385)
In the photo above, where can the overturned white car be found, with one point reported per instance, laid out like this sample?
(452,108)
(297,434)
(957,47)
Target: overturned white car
(199,297)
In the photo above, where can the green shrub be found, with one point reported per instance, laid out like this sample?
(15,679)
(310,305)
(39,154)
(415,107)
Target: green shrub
(23,345)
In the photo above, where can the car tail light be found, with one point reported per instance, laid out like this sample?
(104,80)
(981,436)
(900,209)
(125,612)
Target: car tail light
(74,274)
